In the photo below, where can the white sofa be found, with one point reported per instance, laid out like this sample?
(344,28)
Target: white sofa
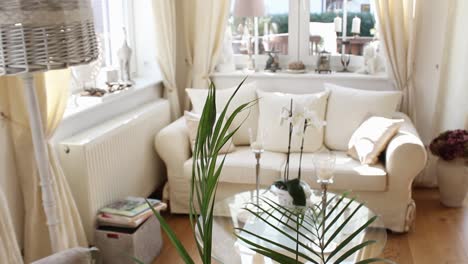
(385,187)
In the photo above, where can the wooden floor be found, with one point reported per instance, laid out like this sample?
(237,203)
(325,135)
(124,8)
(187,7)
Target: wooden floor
(440,235)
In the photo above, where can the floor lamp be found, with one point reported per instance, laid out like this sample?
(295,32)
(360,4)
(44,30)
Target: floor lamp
(38,36)
(248,9)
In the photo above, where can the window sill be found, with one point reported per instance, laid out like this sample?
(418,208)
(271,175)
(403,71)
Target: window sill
(307,75)
(79,104)
(90,111)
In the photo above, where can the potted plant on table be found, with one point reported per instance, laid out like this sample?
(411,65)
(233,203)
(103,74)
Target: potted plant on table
(452,167)
(295,192)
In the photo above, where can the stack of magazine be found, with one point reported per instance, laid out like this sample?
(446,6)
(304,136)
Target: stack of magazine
(130,212)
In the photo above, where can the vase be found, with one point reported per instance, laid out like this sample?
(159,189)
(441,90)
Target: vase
(453,182)
(285,199)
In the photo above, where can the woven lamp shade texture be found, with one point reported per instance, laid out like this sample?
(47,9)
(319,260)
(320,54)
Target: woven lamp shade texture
(41,35)
(249,8)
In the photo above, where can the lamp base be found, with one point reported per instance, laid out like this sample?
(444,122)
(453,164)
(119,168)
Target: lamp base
(42,161)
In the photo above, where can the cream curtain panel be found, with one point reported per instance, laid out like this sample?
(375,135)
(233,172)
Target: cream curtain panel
(9,250)
(165,26)
(451,107)
(52,98)
(397,28)
(205,24)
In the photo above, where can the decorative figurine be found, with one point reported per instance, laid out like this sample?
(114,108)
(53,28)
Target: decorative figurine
(272,63)
(125,54)
(226,59)
(345,60)
(323,62)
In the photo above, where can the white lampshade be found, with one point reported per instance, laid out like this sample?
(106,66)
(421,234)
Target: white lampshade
(45,35)
(249,8)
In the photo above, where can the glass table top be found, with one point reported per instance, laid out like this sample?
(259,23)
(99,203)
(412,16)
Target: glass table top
(230,214)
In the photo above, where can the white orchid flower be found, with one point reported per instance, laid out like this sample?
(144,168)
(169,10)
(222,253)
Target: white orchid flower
(285,116)
(314,120)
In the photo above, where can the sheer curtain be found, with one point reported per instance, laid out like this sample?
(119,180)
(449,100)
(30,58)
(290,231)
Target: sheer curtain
(165,24)
(9,250)
(53,95)
(397,28)
(205,24)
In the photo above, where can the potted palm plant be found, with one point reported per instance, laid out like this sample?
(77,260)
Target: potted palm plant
(452,167)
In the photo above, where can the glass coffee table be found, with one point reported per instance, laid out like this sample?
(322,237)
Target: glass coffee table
(230,214)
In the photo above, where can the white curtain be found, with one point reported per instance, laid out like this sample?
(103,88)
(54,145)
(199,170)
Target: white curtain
(165,25)
(205,25)
(397,28)
(451,108)
(52,95)
(9,250)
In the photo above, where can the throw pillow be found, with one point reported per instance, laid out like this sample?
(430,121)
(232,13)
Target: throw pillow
(372,137)
(192,121)
(276,136)
(245,94)
(348,108)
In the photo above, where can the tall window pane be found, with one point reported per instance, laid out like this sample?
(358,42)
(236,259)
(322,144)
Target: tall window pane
(326,35)
(273,29)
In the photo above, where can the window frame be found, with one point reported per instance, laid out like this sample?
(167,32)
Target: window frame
(261,59)
(298,42)
(143,66)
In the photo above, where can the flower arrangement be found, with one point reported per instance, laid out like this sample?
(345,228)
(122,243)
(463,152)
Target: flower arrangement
(451,145)
(299,117)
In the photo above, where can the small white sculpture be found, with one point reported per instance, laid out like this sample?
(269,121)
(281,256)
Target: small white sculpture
(125,54)
(226,59)
(373,61)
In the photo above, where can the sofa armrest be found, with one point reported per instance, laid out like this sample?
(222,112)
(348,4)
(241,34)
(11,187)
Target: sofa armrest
(173,146)
(405,155)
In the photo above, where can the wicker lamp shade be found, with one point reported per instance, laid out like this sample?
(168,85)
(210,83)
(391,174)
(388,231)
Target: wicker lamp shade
(41,35)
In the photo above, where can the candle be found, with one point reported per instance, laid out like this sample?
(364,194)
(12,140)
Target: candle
(324,174)
(356,26)
(338,24)
(257,145)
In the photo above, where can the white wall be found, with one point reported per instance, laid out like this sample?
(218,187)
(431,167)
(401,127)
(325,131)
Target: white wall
(453,95)
(429,56)
(9,182)
(441,66)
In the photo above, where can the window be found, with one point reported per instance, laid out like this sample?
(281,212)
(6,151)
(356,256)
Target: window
(299,29)
(273,29)
(327,21)
(114,20)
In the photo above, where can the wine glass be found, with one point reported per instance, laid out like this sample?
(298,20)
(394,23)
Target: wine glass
(256,141)
(324,163)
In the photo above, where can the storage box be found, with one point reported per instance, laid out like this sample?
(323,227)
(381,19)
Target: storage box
(119,245)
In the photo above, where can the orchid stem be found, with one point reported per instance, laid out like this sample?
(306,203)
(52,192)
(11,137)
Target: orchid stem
(286,173)
(302,151)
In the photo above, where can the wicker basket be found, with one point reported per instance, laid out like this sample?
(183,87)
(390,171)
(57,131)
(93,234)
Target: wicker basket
(40,35)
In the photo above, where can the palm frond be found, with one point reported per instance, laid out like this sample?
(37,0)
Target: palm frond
(310,236)
(212,134)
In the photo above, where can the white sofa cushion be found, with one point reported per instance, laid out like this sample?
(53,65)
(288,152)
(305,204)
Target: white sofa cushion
(349,174)
(192,120)
(276,135)
(348,108)
(372,137)
(239,167)
(245,94)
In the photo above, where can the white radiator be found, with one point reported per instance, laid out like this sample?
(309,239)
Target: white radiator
(113,160)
